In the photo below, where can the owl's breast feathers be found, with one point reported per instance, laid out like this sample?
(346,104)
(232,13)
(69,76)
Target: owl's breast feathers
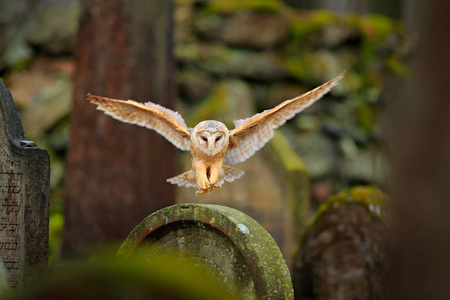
(200,157)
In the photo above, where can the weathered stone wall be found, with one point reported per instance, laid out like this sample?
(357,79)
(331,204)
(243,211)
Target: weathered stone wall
(259,53)
(234,58)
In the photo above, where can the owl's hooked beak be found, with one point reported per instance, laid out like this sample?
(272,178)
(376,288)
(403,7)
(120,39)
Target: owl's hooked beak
(211,143)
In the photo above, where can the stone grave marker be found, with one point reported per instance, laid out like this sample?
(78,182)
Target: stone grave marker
(342,253)
(233,246)
(24,198)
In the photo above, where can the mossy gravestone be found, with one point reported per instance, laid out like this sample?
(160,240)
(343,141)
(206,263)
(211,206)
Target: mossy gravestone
(341,255)
(233,246)
(24,198)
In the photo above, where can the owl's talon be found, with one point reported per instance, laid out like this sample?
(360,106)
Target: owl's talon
(215,186)
(209,188)
(201,190)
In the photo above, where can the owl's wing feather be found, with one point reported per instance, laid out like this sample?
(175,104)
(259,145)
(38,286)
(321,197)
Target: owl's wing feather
(230,174)
(186,179)
(166,122)
(253,133)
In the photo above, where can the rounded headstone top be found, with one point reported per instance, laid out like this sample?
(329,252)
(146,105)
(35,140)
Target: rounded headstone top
(233,246)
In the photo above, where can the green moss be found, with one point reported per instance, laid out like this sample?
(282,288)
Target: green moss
(289,158)
(365,117)
(228,6)
(376,28)
(374,31)
(312,65)
(397,66)
(303,25)
(55,230)
(370,197)
(296,65)
(227,101)
(18,66)
(214,104)
(187,51)
(256,245)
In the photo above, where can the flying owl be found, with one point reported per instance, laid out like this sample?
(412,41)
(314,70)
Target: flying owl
(210,142)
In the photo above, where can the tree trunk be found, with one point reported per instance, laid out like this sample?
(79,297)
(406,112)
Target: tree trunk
(419,151)
(116,172)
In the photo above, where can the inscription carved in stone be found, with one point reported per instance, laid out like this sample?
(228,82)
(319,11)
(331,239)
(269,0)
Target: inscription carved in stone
(12,199)
(231,245)
(24,201)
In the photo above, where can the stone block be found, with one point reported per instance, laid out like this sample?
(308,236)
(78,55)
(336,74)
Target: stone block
(24,198)
(230,244)
(341,255)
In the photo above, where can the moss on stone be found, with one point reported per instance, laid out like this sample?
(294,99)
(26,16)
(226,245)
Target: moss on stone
(261,254)
(229,6)
(303,25)
(370,197)
(229,100)
(287,155)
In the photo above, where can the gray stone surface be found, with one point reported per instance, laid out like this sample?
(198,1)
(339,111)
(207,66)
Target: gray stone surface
(48,33)
(230,244)
(245,29)
(24,198)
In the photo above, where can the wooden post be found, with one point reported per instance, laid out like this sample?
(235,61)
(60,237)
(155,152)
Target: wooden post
(116,172)
(419,148)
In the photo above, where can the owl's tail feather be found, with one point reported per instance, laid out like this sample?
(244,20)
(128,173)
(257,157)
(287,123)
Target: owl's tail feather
(187,179)
(230,174)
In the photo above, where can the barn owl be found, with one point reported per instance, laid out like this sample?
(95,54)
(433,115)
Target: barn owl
(210,142)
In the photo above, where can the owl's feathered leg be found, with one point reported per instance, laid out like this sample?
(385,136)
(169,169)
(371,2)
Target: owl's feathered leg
(214,173)
(217,177)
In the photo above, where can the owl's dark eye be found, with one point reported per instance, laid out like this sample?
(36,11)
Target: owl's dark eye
(205,139)
(218,138)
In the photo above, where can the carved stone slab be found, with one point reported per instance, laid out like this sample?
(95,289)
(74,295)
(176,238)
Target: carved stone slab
(341,255)
(24,198)
(233,246)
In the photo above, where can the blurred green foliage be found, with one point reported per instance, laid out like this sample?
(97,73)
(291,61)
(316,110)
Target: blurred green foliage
(230,6)
(303,25)
(104,276)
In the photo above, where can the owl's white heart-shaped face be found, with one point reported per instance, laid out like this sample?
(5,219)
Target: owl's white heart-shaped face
(210,137)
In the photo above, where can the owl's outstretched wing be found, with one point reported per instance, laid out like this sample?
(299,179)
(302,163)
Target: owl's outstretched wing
(166,122)
(253,133)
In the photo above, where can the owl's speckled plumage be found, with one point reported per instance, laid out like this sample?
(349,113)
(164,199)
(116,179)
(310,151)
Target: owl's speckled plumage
(210,142)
